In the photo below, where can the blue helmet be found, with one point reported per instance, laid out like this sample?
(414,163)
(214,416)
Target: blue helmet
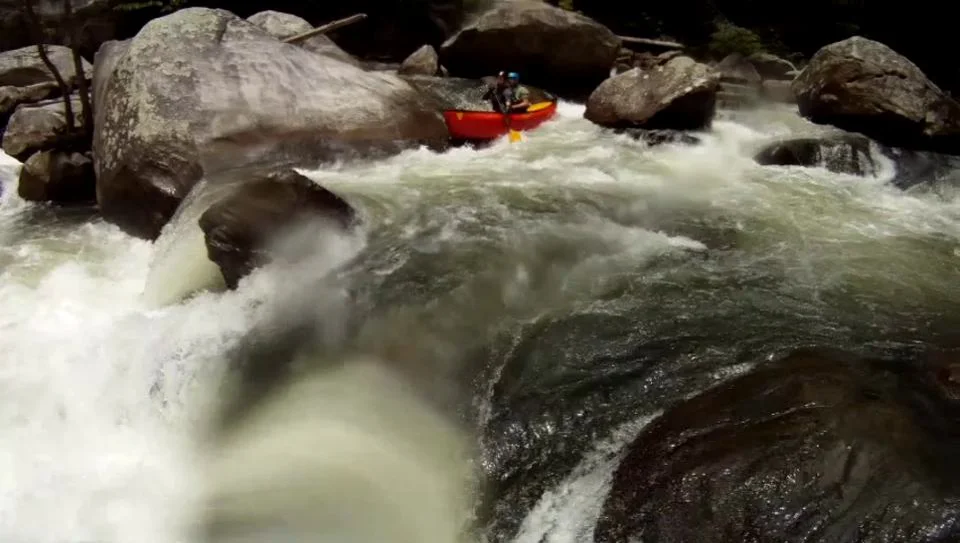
(513,76)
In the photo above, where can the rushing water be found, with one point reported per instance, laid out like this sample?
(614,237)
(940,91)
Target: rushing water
(575,284)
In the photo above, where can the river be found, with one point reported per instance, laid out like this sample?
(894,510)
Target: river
(581,280)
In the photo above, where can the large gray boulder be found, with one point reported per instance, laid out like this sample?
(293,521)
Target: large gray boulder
(550,47)
(196,86)
(679,95)
(23,67)
(34,127)
(864,86)
(243,226)
(284,25)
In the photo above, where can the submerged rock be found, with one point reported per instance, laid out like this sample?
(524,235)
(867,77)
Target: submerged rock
(818,447)
(61,177)
(34,127)
(864,86)
(23,67)
(423,61)
(194,87)
(284,25)
(855,154)
(550,47)
(241,226)
(847,153)
(679,95)
(660,137)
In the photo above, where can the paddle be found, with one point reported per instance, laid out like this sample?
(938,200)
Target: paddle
(513,134)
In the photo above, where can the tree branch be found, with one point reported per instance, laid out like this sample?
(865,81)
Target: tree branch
(86,110)
(36,28)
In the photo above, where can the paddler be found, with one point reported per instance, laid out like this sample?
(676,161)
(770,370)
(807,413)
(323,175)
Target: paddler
(519,96)
(499,93)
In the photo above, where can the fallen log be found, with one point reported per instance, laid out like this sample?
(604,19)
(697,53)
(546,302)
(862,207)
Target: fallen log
(647,41)
(340,23)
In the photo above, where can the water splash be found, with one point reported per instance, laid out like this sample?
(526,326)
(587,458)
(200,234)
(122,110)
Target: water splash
(350,455)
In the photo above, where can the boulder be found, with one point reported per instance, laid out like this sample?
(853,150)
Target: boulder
(241,227)
(679,95)
(284,25)
(11,97)
(770,66)
(551,47)
(280,25)
(820,446)
(195,86)
(423,61)
(864,86)
(62,177)
(735,68)
(34,127)
(23,67)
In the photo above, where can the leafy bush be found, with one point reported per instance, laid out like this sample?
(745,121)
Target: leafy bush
(730,38)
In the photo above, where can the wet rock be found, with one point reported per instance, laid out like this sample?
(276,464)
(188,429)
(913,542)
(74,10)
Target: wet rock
(855,154)
(197,85)
(679,95)
(34,127)
(770,66)
(62,177)
(864,86)
(423,61)
(820,446)
(23,67)
(240,227)
(847,153)
(913,167)
(284,25)
(660,137)
(548,46)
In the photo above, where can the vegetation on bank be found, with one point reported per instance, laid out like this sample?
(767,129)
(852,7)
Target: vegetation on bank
(922,31)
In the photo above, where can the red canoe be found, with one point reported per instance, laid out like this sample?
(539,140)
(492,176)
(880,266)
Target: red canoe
(488,125)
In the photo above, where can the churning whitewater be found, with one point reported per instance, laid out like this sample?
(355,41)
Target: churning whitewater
(502,291)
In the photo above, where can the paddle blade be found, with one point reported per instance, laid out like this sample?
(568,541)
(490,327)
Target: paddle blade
(538,106)
(514,136)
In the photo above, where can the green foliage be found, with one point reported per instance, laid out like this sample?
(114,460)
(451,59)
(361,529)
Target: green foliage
(730,38)
(165,6)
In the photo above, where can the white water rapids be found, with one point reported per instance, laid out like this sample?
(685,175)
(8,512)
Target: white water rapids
(104,393)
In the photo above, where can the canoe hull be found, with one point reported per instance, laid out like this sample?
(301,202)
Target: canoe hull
(488,125)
